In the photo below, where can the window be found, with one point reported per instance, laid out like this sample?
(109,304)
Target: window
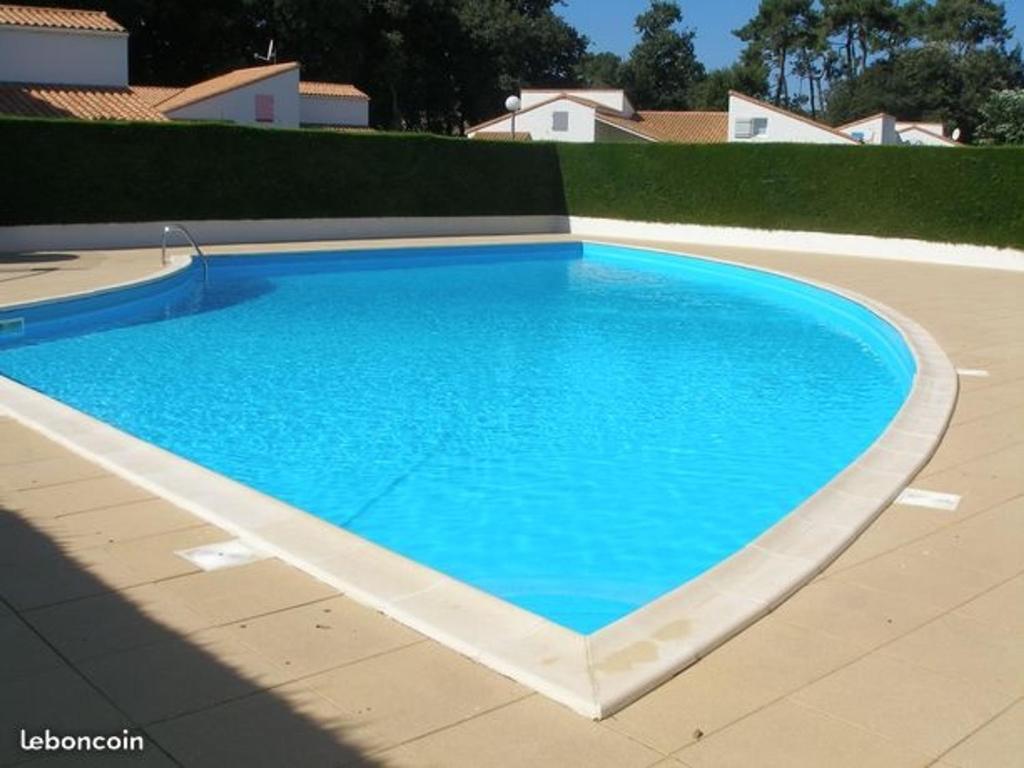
(560,121)
(749,127)
(264,108)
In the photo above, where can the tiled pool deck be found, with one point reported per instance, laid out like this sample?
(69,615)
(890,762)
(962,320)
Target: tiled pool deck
(908,650)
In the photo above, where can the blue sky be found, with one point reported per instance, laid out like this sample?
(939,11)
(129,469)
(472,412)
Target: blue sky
(609,24)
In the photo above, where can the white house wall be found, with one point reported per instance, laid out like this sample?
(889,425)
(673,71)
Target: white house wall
(321,110)
(69,57)
(921,138)
(539,122)
(239,105)
(613,99)
(781,127)
(875,130)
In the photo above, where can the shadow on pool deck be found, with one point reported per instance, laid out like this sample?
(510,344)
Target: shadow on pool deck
(48,680)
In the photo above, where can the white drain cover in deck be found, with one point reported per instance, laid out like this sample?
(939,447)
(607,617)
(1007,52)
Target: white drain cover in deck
(224,554)
(916,497)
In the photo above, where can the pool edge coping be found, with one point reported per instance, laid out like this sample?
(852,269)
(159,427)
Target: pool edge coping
(597,674)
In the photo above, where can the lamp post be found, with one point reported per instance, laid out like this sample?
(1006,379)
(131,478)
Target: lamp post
(513,105)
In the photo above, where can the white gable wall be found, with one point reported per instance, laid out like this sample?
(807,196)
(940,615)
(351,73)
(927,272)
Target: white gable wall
(613,99)
(64,56)
(880,129)
(918,137)
(938,128)
(539,123)
(239,105)
(333,110)
(781,128)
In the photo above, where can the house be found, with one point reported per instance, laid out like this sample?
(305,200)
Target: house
(925,135)
(887,130)
(586,116)
(265,95)
(271,95)
(59,62)
(754,121)
(332,105)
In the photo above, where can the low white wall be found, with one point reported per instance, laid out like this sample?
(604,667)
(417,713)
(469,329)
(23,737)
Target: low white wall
(332,110)
(62,237)
(862,246)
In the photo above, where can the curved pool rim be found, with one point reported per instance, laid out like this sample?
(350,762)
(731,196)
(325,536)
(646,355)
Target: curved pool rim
(596,674)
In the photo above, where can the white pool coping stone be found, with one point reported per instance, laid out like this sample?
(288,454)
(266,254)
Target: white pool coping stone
(596,674)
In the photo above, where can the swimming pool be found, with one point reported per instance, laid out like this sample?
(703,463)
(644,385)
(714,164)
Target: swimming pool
(576,429)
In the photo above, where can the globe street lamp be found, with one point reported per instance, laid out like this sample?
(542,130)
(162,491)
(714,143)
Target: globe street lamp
(513,105)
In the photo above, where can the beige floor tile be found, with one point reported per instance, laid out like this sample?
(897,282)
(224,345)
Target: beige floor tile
(24,652)
(860,615)
(968,649)
(289,726)
(991,541)
(55,470)
(999,398)
(937,581)
(998,744)
(321,636)
(181,675)
(896,526)
(981,437)
(19,444)
(54,578)
(1001,607)
(982,483)
(905,703)
(533,732)
(79,496)
(153,558)
(234,594)
(763,663)
(57,699)
(115,621)
(787,735)
(409,692)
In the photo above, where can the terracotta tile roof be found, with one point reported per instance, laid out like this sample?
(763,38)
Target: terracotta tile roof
(342,90)
(679,127)
(238,78)
(82,102)
(503,136)
(155,94)
(58,18)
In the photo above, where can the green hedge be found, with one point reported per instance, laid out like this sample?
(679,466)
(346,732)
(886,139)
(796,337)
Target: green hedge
(68,171)
(75,172)
(930,193)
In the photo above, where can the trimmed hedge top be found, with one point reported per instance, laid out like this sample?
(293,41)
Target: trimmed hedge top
(75,172)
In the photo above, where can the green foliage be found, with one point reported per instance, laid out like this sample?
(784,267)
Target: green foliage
(931,193)
(69,171)
(74,171)
(1003,118)
(712,93)
(600,70)
(662,68)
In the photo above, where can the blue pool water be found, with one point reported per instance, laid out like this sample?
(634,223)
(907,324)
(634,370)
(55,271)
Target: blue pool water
(575,429)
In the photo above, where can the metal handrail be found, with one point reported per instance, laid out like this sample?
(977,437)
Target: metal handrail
(168,229)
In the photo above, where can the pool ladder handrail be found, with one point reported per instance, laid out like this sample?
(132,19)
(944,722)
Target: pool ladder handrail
(168,229)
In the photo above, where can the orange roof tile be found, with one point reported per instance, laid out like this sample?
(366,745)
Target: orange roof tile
(342,90)
(82,102)
(155,94)
(215,86)
(57,18)
(679,127)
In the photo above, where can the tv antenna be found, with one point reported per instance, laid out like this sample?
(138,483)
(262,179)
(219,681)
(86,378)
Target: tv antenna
(271,57)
